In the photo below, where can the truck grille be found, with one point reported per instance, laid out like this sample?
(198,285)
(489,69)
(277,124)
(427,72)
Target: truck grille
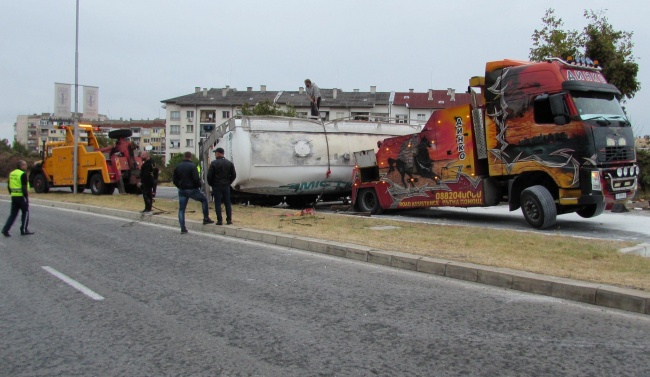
(614,154)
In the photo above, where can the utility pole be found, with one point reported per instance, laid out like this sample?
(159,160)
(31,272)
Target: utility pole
(76,105)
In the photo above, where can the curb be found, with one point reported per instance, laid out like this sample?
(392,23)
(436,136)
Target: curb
(574,290)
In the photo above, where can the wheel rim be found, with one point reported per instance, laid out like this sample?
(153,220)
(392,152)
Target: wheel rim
(531,208)
(369,200)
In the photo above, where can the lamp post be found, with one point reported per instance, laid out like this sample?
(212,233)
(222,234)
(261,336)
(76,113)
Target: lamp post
(76,105)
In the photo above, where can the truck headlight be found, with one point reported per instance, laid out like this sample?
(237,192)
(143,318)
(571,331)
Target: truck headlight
(595,181)
(619,172)
(621,141)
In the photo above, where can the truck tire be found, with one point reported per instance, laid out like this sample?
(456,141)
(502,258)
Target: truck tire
(538,207)
(41,185)
(116,134)
(97,185)
(591,210)
(367,201)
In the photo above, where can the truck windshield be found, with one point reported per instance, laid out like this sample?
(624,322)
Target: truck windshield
(598,105)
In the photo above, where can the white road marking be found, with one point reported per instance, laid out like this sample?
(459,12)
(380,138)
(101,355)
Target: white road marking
(74,284)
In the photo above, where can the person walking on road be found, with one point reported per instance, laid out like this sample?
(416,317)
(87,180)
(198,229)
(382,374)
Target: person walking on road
(186,179)
(18,189)
(146,181)
(221,174)
(314,96)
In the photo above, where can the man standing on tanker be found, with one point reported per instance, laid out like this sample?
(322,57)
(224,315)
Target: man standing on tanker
(186,179)
(221,175)
(314,96)
(17,186)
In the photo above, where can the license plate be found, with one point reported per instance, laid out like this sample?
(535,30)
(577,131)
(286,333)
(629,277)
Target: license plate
(621,196)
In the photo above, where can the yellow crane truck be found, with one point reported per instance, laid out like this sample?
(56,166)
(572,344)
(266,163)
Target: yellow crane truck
(99,169)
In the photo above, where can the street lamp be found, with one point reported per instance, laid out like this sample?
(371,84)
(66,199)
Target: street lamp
(76,105)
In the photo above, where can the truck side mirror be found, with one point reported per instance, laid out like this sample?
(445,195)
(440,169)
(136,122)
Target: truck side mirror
(558,109)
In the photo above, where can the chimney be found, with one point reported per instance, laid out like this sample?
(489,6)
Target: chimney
(263,88)
(410,90)
(249,88)
(373,89)
(356,90)
(430,94)
(197,89)
(224,91)
(205,92)
(301,90)
(334,93)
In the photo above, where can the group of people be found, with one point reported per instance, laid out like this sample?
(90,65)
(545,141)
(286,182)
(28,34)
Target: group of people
(221,175)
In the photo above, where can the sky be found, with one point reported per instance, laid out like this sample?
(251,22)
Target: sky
(142,52)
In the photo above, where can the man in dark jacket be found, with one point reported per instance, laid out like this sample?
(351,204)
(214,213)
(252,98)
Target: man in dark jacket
(221,175)
(146,181)
(186,179)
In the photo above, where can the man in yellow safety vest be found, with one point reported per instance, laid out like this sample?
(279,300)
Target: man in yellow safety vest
(17,186)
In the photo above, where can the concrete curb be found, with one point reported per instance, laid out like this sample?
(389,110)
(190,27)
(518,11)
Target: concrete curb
(574,290)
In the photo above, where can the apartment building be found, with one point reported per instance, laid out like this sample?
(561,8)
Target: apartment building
(193,116)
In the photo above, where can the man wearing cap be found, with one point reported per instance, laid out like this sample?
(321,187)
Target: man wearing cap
(221,175)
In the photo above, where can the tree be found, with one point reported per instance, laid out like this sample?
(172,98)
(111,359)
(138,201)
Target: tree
(21,149)
(613,49)
(167,172)
(267,108)
(598,40)
(552,41)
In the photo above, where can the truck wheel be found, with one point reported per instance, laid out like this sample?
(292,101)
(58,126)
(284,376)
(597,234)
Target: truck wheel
(367,201)
(116,134)
(41,185)
(538,207)
(97,185)
(592,210)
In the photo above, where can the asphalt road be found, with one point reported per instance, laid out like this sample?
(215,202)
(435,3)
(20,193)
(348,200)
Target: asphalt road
(164,304)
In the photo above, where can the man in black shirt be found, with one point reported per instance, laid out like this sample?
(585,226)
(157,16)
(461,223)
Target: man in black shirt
(146,181)
(221,175)
(186,179)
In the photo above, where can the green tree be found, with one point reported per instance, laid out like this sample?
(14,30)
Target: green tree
(21,149)
(267,108)
(643,160)
(166,173)
(103,141)
(552,40)
(598,40)
(613,49)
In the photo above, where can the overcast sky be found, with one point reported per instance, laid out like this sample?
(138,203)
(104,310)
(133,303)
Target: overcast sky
(140,52)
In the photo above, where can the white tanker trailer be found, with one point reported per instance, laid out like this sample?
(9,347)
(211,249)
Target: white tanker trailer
(294,159)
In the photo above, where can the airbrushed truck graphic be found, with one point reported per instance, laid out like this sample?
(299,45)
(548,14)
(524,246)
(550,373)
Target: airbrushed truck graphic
(549,137)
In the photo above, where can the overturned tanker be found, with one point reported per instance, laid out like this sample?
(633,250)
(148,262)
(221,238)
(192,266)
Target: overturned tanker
(294,160)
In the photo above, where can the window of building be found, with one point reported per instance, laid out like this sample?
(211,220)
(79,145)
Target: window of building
(175,129)
(340,114)
(401,118)
(360,115)
(225,114)
(189,143)
(146,132)
(379,117)
(175,115)
(422,116)
(190,115)
(208,116)
(174,143)
(189,129)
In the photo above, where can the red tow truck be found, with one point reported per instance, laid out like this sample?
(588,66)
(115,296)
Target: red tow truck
(547,137)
